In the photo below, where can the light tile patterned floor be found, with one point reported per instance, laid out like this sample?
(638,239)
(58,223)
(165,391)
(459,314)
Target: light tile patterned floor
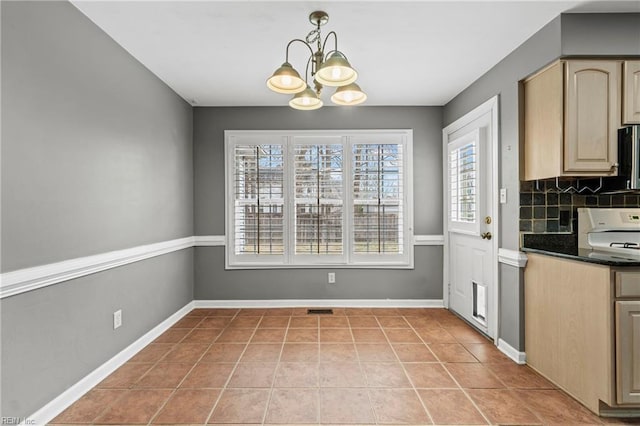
(357,366)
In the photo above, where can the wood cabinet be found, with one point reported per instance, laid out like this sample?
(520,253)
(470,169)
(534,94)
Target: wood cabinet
(628,351)
(568,331)
(572,112)
(582,330)
(631,92)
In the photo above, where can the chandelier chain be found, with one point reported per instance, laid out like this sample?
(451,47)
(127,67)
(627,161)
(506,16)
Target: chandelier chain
(313,36)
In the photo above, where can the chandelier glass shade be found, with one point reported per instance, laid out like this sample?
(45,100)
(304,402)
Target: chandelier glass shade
(286,80)
(351,94)
(327,69)
(306,100)
(336,71)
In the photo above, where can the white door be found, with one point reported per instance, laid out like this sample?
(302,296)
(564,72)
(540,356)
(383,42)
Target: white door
(470,258)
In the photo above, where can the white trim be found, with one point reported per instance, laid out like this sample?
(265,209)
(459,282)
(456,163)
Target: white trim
(288,139)
(219,240)
(68,397)
(22,280)
(428,240)
(512,257)
(517,356)
(490,106)
(321,303)
(27,279)
(209,241)
(56,406)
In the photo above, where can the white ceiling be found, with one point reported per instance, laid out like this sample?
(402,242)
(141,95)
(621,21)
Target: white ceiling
(220,53)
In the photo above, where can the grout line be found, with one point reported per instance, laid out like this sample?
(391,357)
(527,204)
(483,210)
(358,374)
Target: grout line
(451,375)
(233,370)
(155,364)
(175,345)
(275,371)
(104,410)
(364,375)
(319,418)
(424,407)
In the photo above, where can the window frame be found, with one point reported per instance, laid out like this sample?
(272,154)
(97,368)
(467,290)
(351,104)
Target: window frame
(459,226)
(349,259)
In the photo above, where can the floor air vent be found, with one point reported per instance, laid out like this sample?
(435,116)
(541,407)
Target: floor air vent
(319,311)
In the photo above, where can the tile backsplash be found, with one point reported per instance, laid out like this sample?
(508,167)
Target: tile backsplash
(544,208)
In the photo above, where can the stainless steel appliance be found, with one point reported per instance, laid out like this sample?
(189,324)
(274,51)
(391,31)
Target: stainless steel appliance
(629,156)
(628,160)
(614,234)
(628,175)
(610,233)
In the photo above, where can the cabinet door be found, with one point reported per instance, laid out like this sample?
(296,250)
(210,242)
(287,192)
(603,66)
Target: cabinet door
(631,92)
(543,135)
(628,352)
(592,111)
(568,332)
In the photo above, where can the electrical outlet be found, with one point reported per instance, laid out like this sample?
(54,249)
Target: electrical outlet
(503,195)
(117,319)
(332,277)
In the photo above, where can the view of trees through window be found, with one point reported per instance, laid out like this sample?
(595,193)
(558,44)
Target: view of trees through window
(303,198)
(377,198)
(259,199)
(318,198)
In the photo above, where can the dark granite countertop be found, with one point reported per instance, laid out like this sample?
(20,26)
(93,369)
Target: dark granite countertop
(566,246)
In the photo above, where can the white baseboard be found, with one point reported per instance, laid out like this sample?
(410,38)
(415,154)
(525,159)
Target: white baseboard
(321,303)
(517,356)
(68,397)
(76,391)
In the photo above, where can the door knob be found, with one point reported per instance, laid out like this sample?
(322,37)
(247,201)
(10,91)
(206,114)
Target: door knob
(486,235)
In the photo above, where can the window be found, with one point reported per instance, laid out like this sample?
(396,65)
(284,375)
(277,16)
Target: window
(319,198)
(463,160)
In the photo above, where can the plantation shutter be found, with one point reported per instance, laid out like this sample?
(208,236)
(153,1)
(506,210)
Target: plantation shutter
(464,183)
(378,214)
(318,197)
(258,223)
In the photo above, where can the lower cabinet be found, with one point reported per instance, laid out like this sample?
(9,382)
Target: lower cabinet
(582,331)
(628,352)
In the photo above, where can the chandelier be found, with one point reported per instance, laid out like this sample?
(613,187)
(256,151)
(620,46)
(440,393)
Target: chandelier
(327,69)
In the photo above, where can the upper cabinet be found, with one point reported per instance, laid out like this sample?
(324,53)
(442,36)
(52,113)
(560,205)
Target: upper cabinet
(592,111)
(631,92)
(572,112)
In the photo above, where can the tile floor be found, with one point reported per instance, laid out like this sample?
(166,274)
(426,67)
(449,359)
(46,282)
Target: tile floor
(358,366)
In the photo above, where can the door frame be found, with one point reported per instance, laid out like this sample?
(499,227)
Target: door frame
(491,106)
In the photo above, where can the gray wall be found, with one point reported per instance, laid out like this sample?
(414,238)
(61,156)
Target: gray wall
(502,80)
(96,156)
(601,34)
(212,281)
(568,34)
(55,336)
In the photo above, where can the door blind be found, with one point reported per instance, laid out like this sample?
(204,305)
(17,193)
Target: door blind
(318,198)
(463,183)
(377,198)
(258,199)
